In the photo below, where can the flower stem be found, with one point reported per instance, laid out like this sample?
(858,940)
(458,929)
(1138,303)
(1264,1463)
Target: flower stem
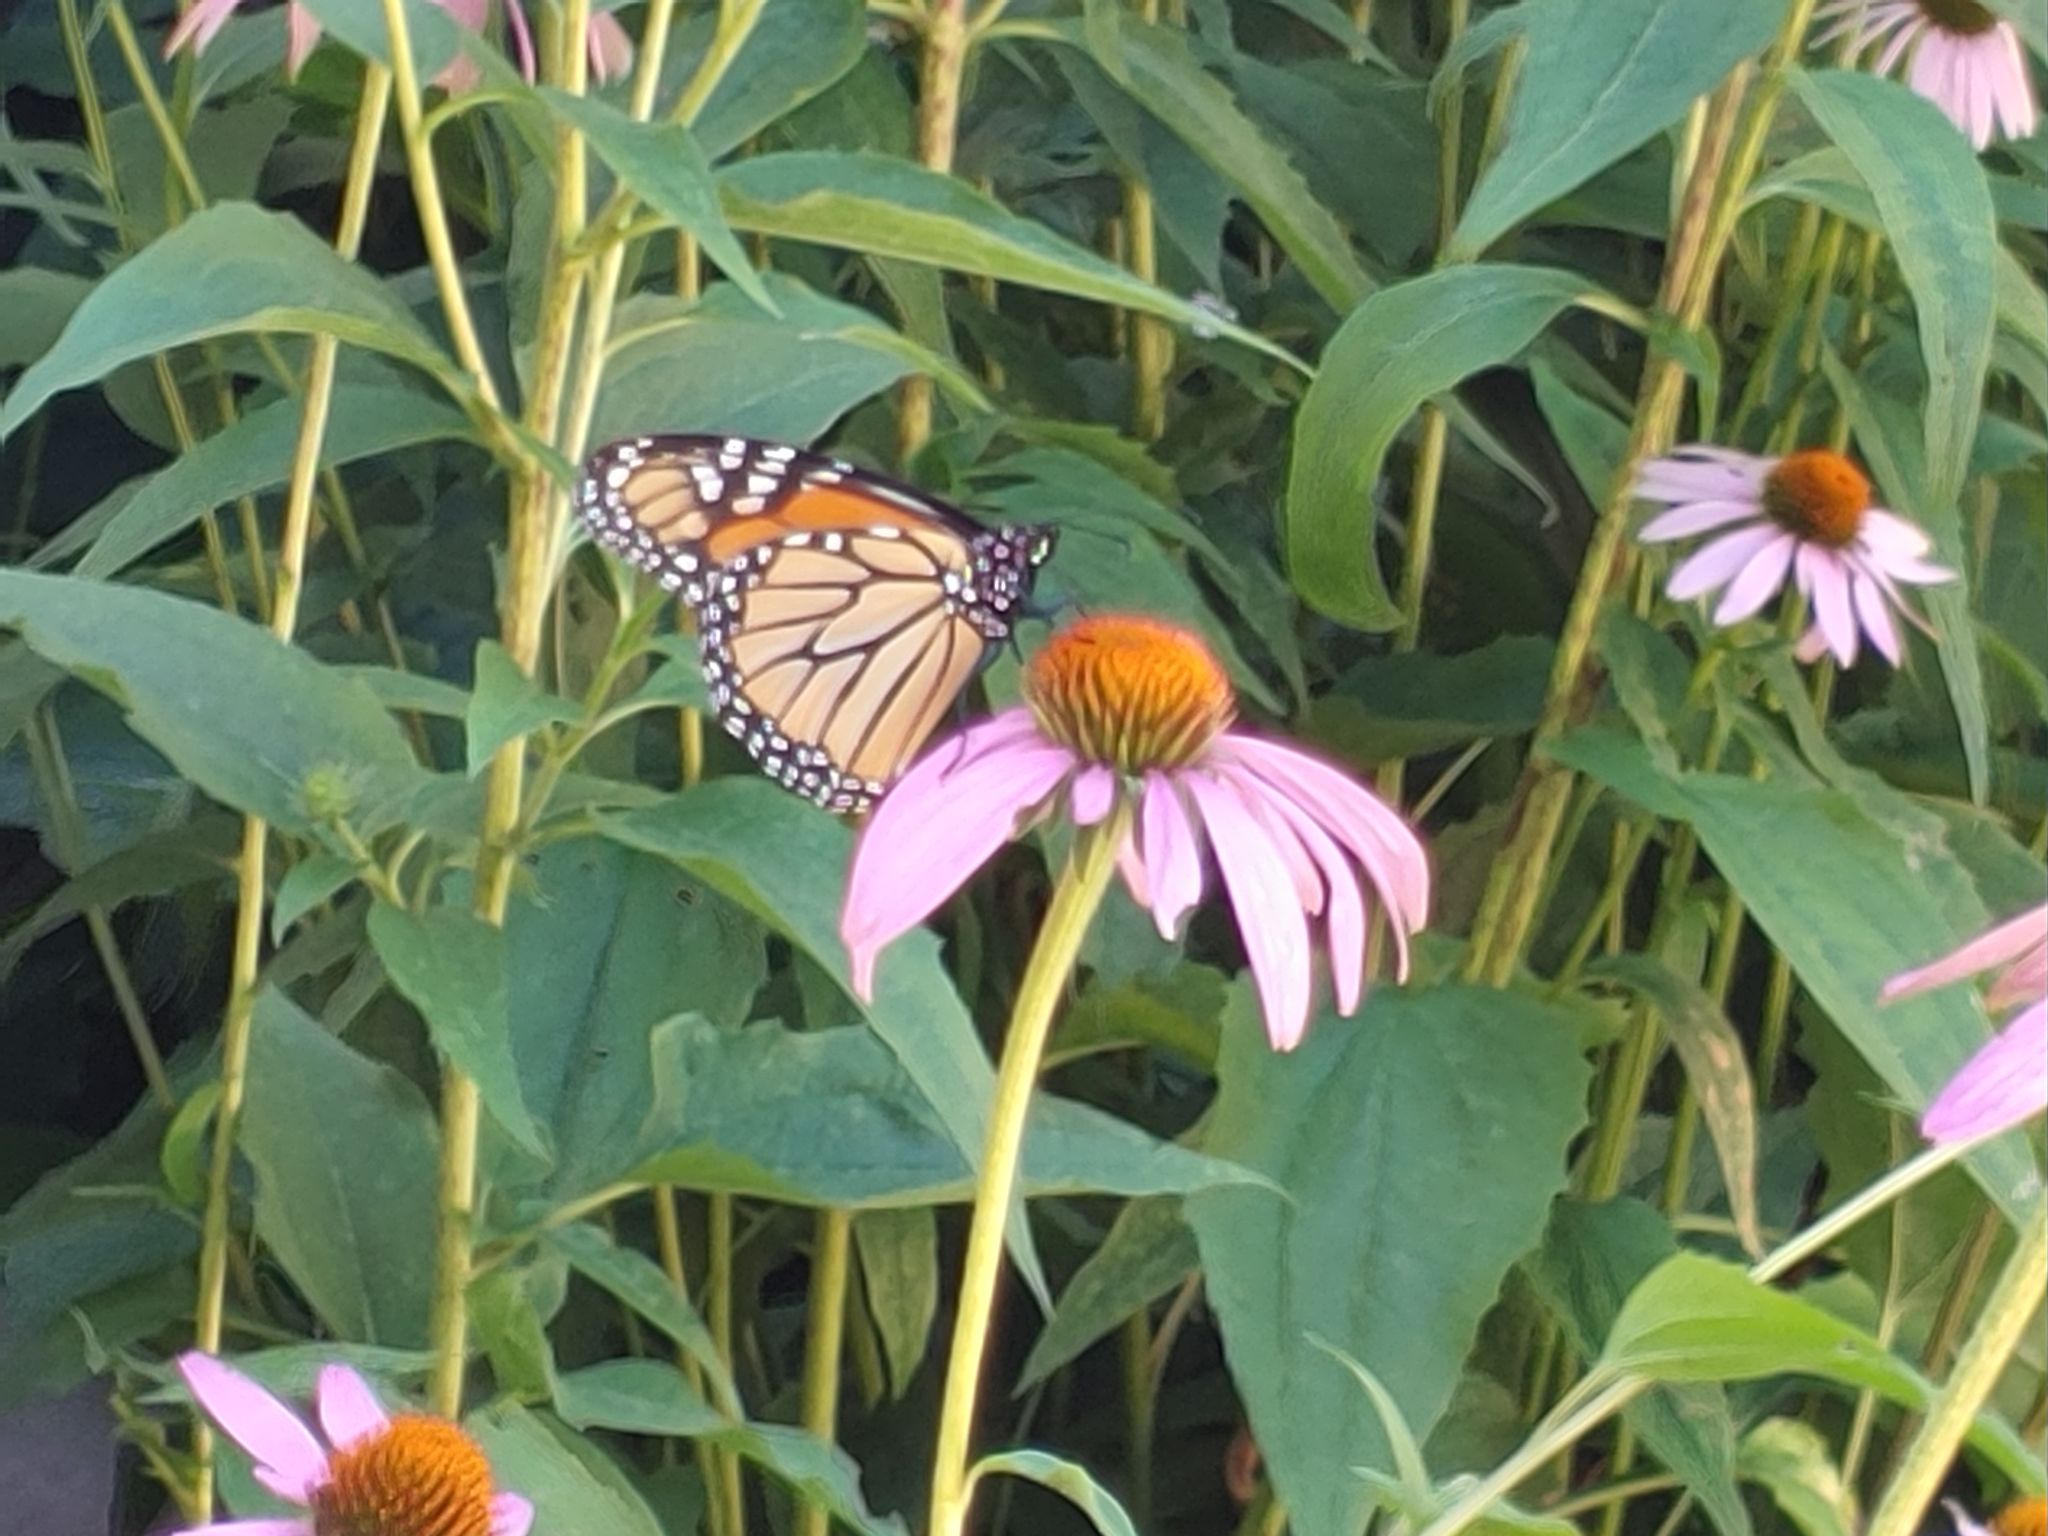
(824,1343)
(942,68)
(2000,1329)
(729,1493)
(1079,892)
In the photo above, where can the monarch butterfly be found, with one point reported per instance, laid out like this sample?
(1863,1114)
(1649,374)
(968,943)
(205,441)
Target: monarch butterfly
(839,613)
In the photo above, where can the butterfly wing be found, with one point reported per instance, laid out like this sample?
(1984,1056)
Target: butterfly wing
(839,613)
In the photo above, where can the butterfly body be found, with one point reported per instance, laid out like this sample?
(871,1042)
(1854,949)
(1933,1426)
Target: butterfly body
(839,613)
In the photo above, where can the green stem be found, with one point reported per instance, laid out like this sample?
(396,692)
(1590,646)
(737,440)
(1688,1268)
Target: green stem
(2000,1328)
(718,1283)
(1079,892)
(942,71)
(1141,1404)
(825,1342)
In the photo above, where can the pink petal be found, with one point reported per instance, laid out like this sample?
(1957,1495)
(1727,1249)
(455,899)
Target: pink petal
(270,1432)
(1172,854)
(522,38)
(510,1515)
(2004,1083)
(2010,940)
(1091,795)
(1703,474)
(1811,647)
(1876,617)
(251,1528)
(611,48)
(1344,904)
(1758,581)
(2017,113)
(1392,855)
(1696,517)
(1833,613)
(940,823)
(302,32)
(1262,897)
(200,25)
(348,1409)
(2025,981)
(1132,867)
(1717,562)
(1889,534)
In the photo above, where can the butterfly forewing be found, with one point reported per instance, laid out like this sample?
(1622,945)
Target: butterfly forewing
(839,613)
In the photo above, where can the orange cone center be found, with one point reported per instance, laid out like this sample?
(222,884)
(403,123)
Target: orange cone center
(416,1477)
(1818,495)
(2025,1517)
(1133,693)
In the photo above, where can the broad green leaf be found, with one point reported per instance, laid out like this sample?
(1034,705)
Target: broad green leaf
(250,456)
(797,48)
(574,1486)
(1070,1481)
(1711,1052)
(661,164)
(34,304)
(640,1283)
(1601,77)
(1407,704)
(1592,1257)
(600,946)
(720,365)
(344,1151)
(1158,67)
(450,964)
(250,720)
(1931,194)
(889,207)
(899,1270)
(1698,1319)
(1401,346)
(1793,1461)
(362,26)
(504,705)
(512,1334)
(647,1398)
(1894,893)
(232,267)
(1449,1099)
(832,1118)
(1149,1251)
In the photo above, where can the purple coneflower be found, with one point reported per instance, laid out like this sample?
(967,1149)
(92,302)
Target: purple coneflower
(2007,1080)
(1959,54)
(611,50)
(1131,707)
(1806,515)
(377,1475)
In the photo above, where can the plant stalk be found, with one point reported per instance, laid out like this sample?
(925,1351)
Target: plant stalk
(942,71)
(825,1343)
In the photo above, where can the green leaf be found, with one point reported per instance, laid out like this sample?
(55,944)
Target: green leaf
(247,718)
(640,1283)
(1408,704)
(1715,1065)
(1158,67)
(831,1118)
(1792,1460)
(1931,194)
(1401,346)
(1600,78)
(1895,895)
(511,1332)
(1452,1099)
(505,705)
(344,1151)
(1698,1319)
(232,267)
(797,48)
(599,948)
(1065,1478)
(644,1397)
(1592,1257)
(574,1486)
(1149,1250)
(450,965)
(888,207)
(251,455)
(661,164)
(899,1270)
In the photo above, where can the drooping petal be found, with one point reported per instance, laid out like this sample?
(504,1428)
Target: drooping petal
(1716,563)
(2005,1083)
(1344,903)
(302,33)
(1833,613)
(1703,473)
(1876,618)
(2002,945)
(522,38)
(251,1528)
(348,1409)
(1171,853)
(1391,854)
(611,48)
(510,1515)
(2026,980)
(2018,113)
(1270,920)
(1758,581)
(1092,795)
(271,1433)
(1695,517)
(941,822)
(200,25)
